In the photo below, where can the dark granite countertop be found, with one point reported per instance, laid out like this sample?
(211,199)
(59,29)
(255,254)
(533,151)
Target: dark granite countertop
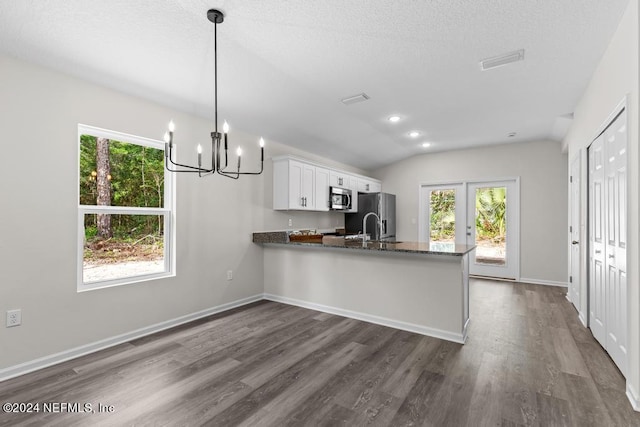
(451,249)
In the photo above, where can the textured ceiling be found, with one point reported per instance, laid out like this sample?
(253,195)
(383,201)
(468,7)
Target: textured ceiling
(284,65)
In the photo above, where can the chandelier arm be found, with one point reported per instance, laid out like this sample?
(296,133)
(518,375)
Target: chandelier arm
(231,175)
(193,168)
(180,165)
(180,170)
(243,173)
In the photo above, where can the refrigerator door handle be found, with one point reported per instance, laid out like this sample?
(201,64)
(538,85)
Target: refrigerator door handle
(384,227)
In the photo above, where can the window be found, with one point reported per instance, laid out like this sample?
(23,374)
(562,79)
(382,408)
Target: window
(125,209)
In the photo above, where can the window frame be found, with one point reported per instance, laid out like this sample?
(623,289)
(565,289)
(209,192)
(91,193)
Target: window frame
(168,213)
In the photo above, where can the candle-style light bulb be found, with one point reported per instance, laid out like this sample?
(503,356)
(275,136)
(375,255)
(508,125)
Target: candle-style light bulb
(166,137)
(261,149)
(199,149)
(172,126)
(239,152)
(225,129)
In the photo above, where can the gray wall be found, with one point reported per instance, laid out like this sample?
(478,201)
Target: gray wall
(542,169)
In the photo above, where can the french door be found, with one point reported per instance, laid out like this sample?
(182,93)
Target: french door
(483,214)
(492,226)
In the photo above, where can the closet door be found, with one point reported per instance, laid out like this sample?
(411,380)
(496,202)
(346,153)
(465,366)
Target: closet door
(608,240)
(615,141)
(597,286)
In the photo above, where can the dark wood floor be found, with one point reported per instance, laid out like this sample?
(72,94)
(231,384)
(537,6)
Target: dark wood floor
(527,361)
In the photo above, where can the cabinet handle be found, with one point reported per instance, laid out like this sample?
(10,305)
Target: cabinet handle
(339,181)
(367,187)
(611,256)
(598,251)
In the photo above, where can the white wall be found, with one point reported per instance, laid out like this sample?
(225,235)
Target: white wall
(616,77)
(543,196)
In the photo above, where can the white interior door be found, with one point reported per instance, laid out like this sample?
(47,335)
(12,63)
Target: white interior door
(608,240)
(493,227)
(574,232)
(615,140)
(597,286)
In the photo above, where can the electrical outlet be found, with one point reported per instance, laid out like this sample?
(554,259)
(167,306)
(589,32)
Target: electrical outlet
(229,274)
(14,318)
(290,222)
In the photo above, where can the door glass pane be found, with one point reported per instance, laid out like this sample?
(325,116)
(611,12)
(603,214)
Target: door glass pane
(442,211)
(491,225)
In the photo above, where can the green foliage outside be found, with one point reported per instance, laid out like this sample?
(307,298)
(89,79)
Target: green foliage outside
(491,208)
(491,205)
(443,215)
(137,180)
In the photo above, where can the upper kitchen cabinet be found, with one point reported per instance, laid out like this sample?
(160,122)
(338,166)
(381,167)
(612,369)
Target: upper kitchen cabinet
(339,179)
(344,180)
(303,185)
(367,185)
(299,186)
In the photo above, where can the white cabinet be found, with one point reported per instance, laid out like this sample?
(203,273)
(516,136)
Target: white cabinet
(300,186)
(339,179)
(368,186)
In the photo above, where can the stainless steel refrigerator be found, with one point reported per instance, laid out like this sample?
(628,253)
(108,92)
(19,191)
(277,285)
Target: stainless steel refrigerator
(382,204)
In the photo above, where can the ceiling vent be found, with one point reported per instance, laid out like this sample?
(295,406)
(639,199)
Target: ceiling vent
(499,61)
(355,99)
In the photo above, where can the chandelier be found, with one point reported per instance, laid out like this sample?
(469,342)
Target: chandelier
(216,17)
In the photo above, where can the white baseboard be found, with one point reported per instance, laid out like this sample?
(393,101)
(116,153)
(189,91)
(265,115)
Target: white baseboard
(53,359)
(583,319)
(544,282)
(633,398)
(405,326)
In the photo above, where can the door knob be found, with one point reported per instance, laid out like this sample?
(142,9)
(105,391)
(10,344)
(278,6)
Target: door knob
(575,242)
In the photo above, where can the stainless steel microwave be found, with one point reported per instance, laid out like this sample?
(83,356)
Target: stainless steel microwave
(339,198)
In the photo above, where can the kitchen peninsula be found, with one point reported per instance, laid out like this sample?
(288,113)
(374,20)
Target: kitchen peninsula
(418,287)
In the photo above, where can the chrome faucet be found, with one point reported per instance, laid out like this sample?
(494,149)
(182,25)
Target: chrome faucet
(364,226)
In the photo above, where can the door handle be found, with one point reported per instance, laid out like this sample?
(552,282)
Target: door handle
(575,242)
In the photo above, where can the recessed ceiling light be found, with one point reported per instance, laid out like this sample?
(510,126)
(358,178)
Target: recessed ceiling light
(426,144)
(414,134)
(394,119)
(511,134)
